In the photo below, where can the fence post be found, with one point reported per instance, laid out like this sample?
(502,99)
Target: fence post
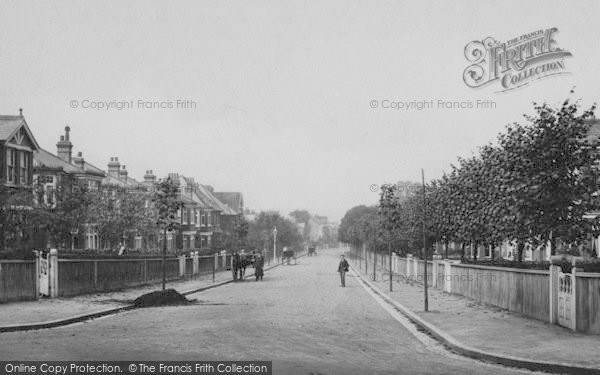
(181,265)
(553,292)
(53,273)
(195,263)
(447,276)
(145,270)
(37,274)
(574,295)
(213,268)
(408,262)
(96,275)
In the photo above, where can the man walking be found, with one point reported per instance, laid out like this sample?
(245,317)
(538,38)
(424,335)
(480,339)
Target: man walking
(259,263)
(342,269)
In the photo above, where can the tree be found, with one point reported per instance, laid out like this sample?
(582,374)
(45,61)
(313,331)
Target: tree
(533,187)
(167,202)
(260,231)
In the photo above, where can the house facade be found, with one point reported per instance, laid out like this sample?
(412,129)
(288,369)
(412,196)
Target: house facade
(17,146)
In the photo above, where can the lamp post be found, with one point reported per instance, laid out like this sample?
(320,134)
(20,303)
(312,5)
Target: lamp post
(274,244)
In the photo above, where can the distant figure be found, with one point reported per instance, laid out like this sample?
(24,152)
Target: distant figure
(342,269)
(235,264)
(259,263)
(122,250)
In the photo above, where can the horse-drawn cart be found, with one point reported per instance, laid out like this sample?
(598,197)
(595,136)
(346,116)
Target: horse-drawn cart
(287,255)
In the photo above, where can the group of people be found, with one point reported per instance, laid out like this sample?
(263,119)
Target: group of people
(241,260)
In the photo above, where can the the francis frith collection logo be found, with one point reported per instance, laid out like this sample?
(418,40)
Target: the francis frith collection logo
(514,63)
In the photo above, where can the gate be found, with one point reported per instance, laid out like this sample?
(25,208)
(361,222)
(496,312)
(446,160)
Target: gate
(566,300)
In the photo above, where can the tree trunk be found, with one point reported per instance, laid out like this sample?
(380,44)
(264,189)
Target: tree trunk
(164,259)
(446,249)
(520,248)
(476,248)
(462,251)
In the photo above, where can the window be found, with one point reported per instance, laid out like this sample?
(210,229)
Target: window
(185,216)
(23,168)
(195,212)
(11,164)
(203,220)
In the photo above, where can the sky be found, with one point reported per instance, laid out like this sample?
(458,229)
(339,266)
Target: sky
(280,94)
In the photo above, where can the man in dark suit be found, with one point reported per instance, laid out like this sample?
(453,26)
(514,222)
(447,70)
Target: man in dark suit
(342,269)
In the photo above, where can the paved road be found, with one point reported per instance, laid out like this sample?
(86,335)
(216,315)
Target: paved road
(299,317)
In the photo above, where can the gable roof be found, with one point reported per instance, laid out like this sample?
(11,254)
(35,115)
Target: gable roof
(234,200)
(9,125)
(205,196)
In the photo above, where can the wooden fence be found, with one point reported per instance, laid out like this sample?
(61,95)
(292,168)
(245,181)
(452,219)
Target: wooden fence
(518,290)
(18,280)
(80,276)
(533,293)
(587,302)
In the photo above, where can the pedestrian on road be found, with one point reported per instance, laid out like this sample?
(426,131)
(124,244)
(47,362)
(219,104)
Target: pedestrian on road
(259,263)
(342,269)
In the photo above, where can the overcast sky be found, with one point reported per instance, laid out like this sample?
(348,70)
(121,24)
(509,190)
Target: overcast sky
(283,89)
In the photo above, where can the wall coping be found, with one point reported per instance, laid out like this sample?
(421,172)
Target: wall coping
(588,274)
(21,261)
(111,260)
(505,269)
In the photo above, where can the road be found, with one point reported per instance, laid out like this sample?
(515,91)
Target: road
(299,317)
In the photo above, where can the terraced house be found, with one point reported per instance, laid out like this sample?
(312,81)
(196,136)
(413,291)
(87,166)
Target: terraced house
(60,172)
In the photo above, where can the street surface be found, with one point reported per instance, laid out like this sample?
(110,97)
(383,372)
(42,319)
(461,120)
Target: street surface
(299,317)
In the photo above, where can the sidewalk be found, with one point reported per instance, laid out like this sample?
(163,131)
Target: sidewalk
(46,310)
(491,329)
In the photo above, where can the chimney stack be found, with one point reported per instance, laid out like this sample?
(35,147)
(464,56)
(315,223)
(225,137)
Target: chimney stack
(113,167)
(123,174)
(21,112)
(64,147)
(149,177)
(78,160)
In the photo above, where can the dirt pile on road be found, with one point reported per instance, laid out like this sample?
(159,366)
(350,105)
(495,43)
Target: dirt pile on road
(166,297)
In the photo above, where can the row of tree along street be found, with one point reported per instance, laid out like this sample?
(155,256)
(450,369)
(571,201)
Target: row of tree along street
(534,185)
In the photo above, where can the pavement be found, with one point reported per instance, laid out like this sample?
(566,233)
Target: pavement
(489,329)
(298,317)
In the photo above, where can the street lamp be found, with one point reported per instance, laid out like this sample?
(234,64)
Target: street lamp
(274,243)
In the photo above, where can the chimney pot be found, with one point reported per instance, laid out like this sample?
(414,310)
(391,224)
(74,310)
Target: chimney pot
(21,112)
